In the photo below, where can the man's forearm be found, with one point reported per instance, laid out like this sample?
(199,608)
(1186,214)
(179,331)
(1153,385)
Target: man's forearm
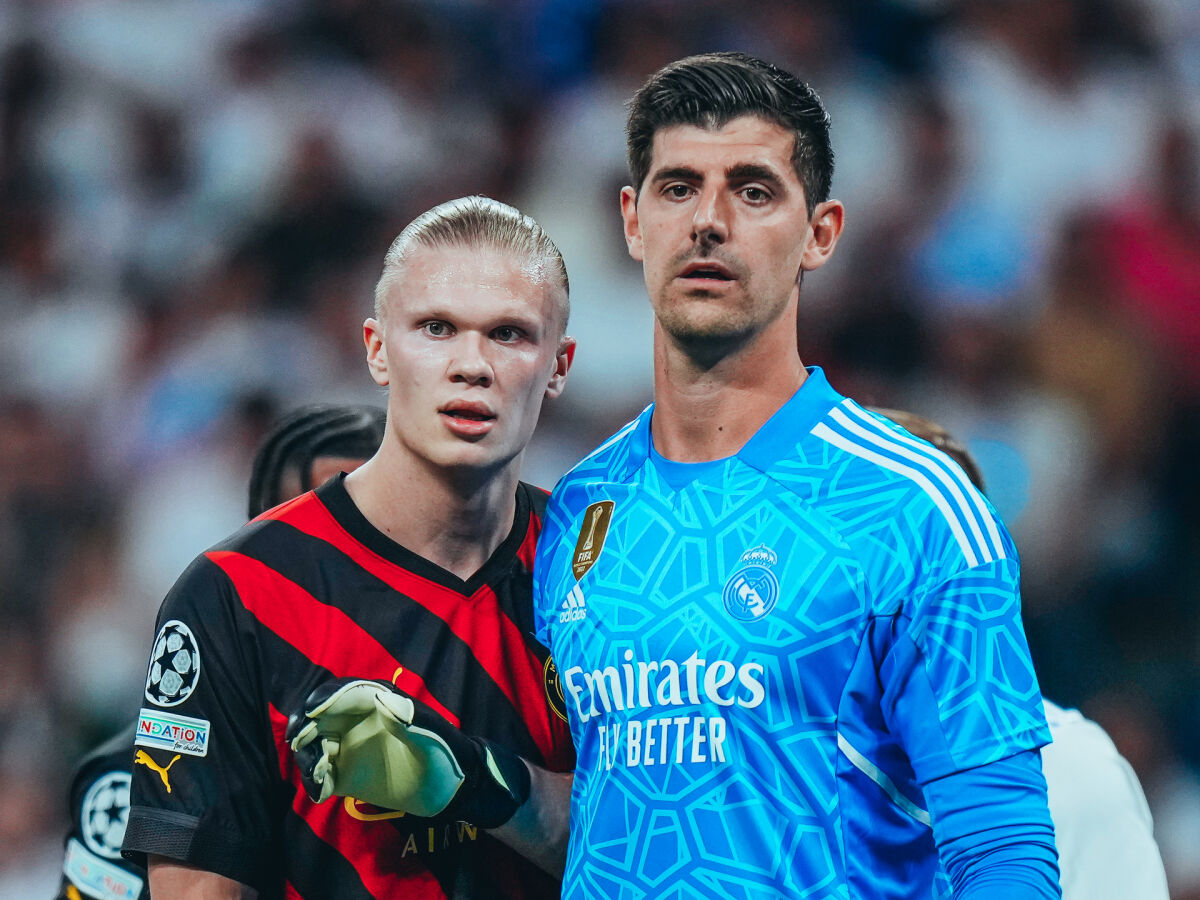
(169,878)
(994,832)
(541,825)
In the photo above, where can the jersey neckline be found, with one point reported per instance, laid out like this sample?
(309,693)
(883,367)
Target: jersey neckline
(334,496)
(811,402)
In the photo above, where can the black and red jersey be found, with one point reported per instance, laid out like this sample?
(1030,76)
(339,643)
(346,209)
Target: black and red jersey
(307,592)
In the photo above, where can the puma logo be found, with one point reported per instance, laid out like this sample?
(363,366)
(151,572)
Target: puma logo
(144,758)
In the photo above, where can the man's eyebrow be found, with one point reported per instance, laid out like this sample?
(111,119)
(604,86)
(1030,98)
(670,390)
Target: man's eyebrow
(677,173)
(753,172)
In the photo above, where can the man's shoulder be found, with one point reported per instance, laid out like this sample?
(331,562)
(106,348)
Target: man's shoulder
(870,473)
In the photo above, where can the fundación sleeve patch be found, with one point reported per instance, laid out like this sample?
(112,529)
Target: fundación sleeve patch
(166,731)
(93,876)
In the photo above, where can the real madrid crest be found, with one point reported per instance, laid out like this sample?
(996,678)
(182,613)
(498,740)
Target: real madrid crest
(753,590)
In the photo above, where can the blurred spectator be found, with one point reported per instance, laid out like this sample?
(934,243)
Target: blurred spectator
(192,193)
(1172,788)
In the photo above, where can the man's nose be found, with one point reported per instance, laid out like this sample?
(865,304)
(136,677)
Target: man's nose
(470,362)
(710,221)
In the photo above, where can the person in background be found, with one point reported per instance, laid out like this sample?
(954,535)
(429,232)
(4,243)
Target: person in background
(305,448)
(1102,825)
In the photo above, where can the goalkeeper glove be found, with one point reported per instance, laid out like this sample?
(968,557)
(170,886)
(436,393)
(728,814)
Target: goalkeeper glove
(365,739)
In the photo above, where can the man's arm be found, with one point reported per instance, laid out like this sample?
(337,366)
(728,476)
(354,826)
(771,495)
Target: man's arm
(993,830)
(169,878)
(961,696)
(539,829)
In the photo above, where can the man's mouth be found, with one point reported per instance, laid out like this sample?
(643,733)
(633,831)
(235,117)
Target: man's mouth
(707,272)
(469,414)
(468,420)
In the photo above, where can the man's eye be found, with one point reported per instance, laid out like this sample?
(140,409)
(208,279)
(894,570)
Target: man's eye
(436,329)
(678,191)
(755,194)
(506,334)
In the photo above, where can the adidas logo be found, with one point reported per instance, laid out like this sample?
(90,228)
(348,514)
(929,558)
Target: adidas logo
(573,608)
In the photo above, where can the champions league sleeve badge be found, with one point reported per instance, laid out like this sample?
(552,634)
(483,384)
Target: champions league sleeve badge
(104,814)
(174,665)
(753,590)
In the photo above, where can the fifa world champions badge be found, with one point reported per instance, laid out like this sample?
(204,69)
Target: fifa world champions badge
(753,590)
(596,519)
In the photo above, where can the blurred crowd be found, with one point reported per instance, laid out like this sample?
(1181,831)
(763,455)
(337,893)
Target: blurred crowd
(195,198)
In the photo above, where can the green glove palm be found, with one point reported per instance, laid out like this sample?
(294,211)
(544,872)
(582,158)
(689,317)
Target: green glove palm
(364,739)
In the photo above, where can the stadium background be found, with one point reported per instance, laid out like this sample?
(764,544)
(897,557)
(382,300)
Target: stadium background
(195,196)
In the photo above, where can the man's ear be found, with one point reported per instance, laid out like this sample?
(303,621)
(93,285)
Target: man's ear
(562,365)
(824,229)
(633,229)
(377,361)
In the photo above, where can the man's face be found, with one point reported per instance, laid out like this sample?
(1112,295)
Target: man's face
(721,228)
(469,348)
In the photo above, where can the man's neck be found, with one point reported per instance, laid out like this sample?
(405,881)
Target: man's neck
(454,521)
(709,411)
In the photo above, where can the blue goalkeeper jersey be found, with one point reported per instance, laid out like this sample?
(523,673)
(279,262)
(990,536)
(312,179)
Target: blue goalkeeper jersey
(765,657)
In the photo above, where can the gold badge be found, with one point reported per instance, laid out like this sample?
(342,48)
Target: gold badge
(554,691)
(596,519)
(143,758)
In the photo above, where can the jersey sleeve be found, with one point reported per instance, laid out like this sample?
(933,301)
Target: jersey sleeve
(993,830)
(205,774)
(959,687)
(99,807)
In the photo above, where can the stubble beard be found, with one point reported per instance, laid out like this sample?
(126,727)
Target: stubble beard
(708,328)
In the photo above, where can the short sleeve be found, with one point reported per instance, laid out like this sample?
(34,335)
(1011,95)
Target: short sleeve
(959,687)
(205,774)
(99,806)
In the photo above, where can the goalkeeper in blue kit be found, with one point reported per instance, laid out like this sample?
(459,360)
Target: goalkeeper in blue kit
(788,634)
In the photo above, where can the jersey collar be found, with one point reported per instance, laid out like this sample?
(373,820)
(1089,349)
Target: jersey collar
(778,435)
(334,496)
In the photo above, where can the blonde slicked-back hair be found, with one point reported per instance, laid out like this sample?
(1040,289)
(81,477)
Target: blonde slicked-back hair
(476,222)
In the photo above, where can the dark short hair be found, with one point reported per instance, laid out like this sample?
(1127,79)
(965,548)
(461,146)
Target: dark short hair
(304,435)
(711,90)
(928,430)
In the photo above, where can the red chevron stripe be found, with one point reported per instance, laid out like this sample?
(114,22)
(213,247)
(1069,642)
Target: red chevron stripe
(323,633)
(375,849)
(478,620)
